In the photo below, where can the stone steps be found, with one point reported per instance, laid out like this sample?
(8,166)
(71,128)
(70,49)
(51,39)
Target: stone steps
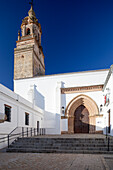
(62,145)
(30,150)
(65,148)
(71,143)
(62,139)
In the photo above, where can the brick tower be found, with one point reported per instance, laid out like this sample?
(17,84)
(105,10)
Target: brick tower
(28,54)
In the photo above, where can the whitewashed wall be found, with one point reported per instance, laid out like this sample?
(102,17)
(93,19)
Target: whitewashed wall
(46,88)
(18,108)
(108,88)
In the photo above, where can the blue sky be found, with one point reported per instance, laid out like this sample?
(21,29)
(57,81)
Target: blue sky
(77,34)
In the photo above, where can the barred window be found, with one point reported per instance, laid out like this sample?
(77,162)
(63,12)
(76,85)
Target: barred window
(26,118)
(8,113)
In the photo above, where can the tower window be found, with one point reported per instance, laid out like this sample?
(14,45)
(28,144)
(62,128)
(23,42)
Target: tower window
(8,113)
(28,31)
(26,118)
(22,56)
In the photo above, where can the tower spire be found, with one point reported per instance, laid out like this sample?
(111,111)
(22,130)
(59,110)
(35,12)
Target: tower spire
(30,62)
(31,12)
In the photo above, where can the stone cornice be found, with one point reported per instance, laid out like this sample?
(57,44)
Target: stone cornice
(23,49)
(81,89)
(25,39)
(35,42)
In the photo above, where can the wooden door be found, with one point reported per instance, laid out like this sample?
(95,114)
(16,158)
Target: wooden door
(81,120)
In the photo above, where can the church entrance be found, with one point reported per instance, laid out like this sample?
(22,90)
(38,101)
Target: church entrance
(81,120)
(81,113)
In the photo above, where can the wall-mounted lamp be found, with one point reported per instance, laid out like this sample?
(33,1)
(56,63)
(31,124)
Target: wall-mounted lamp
(63,110)
(101,107)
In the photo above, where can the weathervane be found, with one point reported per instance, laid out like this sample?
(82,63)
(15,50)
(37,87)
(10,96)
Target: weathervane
(31,3)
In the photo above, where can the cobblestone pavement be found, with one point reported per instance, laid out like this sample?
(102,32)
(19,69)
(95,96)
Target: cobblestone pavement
(109,161)
(36,161)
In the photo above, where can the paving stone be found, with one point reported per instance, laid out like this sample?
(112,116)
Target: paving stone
(35,161)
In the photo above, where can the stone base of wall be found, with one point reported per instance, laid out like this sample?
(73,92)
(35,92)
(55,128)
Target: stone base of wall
(99,132)
(64,132)
(96,132)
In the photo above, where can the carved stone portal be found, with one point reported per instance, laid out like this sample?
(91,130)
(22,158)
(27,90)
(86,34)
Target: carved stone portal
(92,112)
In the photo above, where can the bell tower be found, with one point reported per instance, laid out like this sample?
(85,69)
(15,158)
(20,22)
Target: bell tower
(28,54)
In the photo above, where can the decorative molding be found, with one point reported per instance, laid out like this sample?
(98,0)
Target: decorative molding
(64,117)
(7,105)
(91,106)
(81,89)
(26,113)
(31,38)
(85,100)
(25,49)
(99,115)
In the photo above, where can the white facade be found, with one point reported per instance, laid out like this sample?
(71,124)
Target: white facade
(108,107)
(41,97)
(48,95)
(19,106)
(47,99)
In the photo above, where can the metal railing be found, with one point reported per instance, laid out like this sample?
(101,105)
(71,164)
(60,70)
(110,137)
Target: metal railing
(3,139)
(107,139)
(21,132)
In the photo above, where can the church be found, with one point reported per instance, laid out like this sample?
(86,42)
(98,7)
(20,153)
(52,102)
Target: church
(78,102)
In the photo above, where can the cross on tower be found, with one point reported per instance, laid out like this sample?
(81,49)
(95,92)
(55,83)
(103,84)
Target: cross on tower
(31,3)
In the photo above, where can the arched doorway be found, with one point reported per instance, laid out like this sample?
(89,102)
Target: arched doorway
(92,111)
(81,120)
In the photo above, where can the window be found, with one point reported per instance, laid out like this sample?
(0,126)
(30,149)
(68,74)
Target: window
(8,113)
(26,118)
(28,31)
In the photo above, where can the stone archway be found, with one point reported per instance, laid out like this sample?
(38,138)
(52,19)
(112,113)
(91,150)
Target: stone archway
(91,107)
